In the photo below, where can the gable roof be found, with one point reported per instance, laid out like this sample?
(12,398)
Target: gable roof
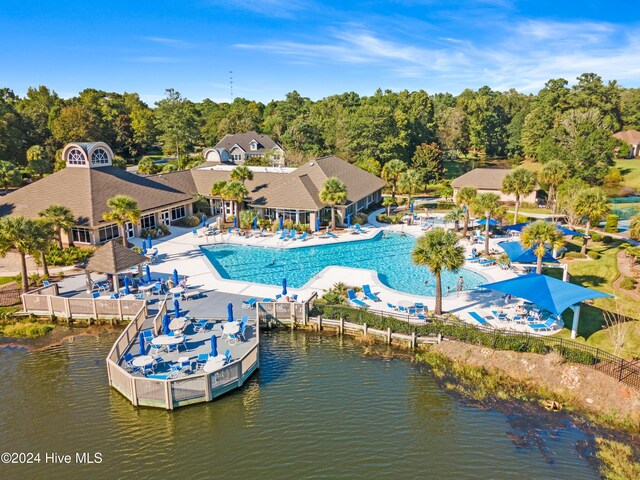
(300,189)
(86,191)
(482,178)
(113,257)
(243,140)
(204,178)
(632,137)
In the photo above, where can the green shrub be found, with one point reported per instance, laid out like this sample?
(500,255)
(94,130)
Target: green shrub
(360,218)
(445,205)
(26,330)
(628,283)
(596,237)
(508,219)
(190,221)
(573,255)
(593,255)
(575,355)
(611,223)
(66,256)
(607,239)
(246,218)
(384,218)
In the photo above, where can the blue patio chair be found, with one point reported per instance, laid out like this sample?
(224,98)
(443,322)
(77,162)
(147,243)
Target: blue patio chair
(411,310)
(547,326)
(157,289)
(486,263)
(140,296)
(391,306)
(243,328)
(294,297)
(46,283)
(155,349)
(202,359)
(278,296)
(267,300)
(95,294)
(479,319)
(114,296)
(147,335)
(283,235)
(419,306)
(368,293)
(250,303)
(421,317)
(174,370)
(303,237)
(359,229)
(331,235)
(354,300)
(402,309)
(227,357)
(185,365)
(499,316)
(128,363)
(201,326)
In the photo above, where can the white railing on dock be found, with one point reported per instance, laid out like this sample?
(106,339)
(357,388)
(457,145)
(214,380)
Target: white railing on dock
(175,392)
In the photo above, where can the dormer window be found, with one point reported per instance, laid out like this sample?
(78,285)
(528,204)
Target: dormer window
(99,157)
(76,157)
(253,145)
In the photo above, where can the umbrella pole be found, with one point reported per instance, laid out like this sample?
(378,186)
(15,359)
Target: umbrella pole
(116,283)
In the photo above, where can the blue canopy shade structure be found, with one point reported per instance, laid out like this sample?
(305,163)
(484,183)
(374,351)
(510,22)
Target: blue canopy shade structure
(255,223)
(147,273)
(165,324)
(281,223)
(144,247)
(176,307)
(518,254)
(204,220)
(214,346)
(317,224)
(235,222)
(230,312)
(141,342)
(492,223)
(284,286)
(149,241)
(176,280)
(547,292)
(518,227)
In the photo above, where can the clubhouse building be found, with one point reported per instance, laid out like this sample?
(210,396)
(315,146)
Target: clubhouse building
(90,179)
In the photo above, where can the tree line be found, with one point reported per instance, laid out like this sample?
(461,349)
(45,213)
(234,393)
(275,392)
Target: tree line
(569,124)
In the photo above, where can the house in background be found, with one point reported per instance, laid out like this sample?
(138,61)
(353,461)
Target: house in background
(632,137)
(489,180)
(238,147)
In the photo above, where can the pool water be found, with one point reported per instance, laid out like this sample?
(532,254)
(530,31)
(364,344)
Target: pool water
(389,255)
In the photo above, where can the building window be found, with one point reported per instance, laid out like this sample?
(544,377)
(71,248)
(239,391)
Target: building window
(75,157)
(253,146)
(362,203)
(81,235)
(178,212)
(108,233)
(148,221)
(99,157)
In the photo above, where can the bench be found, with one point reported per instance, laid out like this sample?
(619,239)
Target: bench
(189,295)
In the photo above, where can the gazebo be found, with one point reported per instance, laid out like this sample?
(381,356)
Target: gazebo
(549,293)
(113,258)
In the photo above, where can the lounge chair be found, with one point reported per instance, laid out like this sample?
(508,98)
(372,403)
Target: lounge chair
(283,235)
(303,237)
(421,317)
(278,297)
(250,303)
(354,300)
(479,319)
(368,293)
(359,229)
(546,326)
(331,235)
(486,263)
(294,297)
(292,235)
(499,316)
(267,300)
(473,259)
(420,307)
(391,306)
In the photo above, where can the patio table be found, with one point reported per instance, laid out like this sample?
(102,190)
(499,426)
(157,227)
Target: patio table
(176,290)
(214,363)
(231,328)
(142,361)
(177,323)
(147,288)
(168,340)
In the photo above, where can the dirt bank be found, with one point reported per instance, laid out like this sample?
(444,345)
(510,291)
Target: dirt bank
(57,336)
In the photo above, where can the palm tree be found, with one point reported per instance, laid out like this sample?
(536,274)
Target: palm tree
(389,202)
(410,181)
(391,173)
(634,227)
(10,175)
(123,209)
(236,192)
(465,197)
(455,215)
(592,204)
(19,233)
(42,241)
(438,249)
(241,173)
(553,173)
(520,182)
(334,192)
(60,218)
(538,235)
(486,204)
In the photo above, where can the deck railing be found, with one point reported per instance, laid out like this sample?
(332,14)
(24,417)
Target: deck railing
(175,392)
(283,312)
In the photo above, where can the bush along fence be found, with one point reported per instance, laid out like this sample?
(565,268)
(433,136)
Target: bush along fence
(625,371)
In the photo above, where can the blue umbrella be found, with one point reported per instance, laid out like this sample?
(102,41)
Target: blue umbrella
(349,220)
(127,285)
(144,247)
(165,324)
(411,207)
(149,241)
(281,223)
(176,308)
(492,223)
(147,273)
(284,286)
(176,280)
(230,312)
(204,220)
(214,346)
(317,224)
(235,222)
(141,342)
(255,223)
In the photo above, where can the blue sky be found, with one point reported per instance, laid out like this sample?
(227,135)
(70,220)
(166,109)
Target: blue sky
(316,47)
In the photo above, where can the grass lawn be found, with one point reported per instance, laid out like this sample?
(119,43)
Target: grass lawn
(523,210)
(630,168)
(5,280)
(600,274)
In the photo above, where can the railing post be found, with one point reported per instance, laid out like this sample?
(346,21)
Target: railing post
(389,335)
(413,339)
(364,329)
(134,392)
(120,309)
(621,369)
(319,322)
(167,395)
(67,308)
(341,325)
(95,309)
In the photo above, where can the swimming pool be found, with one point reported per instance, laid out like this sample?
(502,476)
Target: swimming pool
(390,256)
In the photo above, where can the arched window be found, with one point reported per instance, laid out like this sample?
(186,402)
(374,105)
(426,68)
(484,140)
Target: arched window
(75,157)
(99,157)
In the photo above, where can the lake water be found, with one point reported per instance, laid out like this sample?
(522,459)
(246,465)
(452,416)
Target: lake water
(317,408)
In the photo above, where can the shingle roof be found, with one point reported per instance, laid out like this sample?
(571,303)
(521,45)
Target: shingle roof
(86,191)
(300,188)
(203,180)
(632,137)
(113,257)
(265,142)
(482,178)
